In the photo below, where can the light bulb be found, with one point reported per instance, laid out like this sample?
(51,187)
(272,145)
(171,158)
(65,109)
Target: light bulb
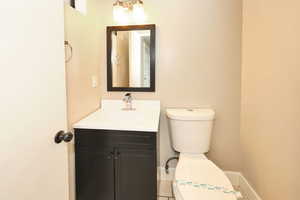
(120,13)
(138,12)
(117,11)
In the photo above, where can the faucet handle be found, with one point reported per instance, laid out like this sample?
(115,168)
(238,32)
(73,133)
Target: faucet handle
(128,100)
(127,97)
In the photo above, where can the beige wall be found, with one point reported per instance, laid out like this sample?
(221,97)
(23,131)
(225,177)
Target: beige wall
(271,97)
(82,98)
(81,33)
(198,63)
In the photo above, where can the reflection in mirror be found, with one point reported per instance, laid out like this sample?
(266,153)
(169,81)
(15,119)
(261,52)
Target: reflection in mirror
(130,58)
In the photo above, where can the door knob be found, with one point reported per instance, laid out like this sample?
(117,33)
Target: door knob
(63,136)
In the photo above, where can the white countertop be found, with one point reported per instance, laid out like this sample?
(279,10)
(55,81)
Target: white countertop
(145,117)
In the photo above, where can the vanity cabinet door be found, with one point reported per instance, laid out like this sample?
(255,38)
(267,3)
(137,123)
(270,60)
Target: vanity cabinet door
(136,175)
(94,176)
(115,165)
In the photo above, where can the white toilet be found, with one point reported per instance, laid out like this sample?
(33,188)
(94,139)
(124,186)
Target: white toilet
(196,177)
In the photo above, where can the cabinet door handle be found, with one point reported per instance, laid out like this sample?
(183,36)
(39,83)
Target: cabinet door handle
(110,155)
(116,154)
(116,173)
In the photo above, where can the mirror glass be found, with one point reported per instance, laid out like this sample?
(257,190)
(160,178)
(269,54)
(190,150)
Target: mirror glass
(130,58)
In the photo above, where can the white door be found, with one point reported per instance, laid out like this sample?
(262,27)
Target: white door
(32,101)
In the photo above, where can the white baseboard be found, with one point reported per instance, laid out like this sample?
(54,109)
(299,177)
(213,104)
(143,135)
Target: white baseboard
(236,179)
(247,189)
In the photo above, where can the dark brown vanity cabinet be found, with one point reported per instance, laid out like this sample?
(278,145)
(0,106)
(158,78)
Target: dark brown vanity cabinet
(115,165)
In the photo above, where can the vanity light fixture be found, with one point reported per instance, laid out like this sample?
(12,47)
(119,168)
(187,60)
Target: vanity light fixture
(126,11)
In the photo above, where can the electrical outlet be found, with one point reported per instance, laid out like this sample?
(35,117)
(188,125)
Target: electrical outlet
(94,81)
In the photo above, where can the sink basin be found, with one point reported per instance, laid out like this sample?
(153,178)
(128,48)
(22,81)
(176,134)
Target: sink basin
(112,116)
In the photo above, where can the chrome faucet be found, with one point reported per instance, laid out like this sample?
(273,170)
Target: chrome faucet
(128,101)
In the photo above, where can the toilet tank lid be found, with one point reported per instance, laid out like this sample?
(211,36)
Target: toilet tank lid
(190,114)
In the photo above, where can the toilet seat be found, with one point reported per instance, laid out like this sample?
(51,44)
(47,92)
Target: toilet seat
(197,178)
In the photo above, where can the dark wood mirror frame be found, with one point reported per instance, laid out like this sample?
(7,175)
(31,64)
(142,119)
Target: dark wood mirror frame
(109,31)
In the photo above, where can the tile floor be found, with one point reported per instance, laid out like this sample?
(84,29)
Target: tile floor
(165,191)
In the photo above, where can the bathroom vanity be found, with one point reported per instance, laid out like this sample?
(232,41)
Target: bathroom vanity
(116,152)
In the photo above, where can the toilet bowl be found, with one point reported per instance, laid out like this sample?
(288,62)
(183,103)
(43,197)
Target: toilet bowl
(196,177)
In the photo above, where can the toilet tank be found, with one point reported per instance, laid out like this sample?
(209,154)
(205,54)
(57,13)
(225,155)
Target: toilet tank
(190,129)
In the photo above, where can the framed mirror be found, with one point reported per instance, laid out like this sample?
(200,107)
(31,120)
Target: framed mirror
(131,58)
